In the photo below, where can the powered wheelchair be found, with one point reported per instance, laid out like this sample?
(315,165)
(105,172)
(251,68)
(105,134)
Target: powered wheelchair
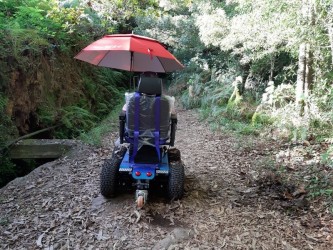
(145,157)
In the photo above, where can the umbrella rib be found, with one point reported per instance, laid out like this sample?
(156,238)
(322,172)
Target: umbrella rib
(161,63)
(103,57)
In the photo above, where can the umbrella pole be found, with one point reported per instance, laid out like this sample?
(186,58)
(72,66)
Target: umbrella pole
(132,77)
(132,83)
(131,68)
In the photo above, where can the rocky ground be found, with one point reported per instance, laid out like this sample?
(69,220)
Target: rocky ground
(232,201)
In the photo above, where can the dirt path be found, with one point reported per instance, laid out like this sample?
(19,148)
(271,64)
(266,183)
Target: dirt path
(226,205)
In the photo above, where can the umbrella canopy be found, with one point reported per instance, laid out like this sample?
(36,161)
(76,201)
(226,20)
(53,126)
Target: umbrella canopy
(130,52)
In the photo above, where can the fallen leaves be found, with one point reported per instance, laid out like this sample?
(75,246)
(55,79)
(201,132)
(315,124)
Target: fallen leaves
(39,240)
(58,206)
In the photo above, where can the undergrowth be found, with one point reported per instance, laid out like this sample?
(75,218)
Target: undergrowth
(7,170)
(8,132)
(274,115)
(110,123)
(213,93)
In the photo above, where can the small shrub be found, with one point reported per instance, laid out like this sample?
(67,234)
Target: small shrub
(261,119)
(190,102)
(110,123)
(327,157)
(320,185)
(7,170)
(238,127)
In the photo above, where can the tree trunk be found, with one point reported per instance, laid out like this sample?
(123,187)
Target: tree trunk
(245,73)
(305,70)
(301,73)
(271,73)
(330,36)
(308,84)
(304,76)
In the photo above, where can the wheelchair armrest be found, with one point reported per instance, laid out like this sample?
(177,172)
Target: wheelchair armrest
(122,120)
(173,129)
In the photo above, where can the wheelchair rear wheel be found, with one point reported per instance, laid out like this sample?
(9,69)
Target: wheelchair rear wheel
(110,173)
(176,180)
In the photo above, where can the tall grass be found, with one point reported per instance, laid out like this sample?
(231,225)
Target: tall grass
(212,92)
(106,126)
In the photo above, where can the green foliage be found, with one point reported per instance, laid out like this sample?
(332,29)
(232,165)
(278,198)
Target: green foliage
(7,128)
(8,132)
(327,157)
(77,119)
(259,41)
(189,102)
(239,127)
(261,119)
(218,41)
(217,95)
(7,170)
(174,25)
(110,123)
(87,107)
(38,41)
(41,85)
(235,117)
(282,115)
(320,185)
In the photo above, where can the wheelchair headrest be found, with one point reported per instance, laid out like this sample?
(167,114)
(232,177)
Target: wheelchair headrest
(150,85)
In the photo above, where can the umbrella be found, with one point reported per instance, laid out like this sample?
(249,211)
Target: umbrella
(130,52)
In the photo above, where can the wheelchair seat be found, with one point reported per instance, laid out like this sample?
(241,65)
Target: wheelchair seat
(148,119)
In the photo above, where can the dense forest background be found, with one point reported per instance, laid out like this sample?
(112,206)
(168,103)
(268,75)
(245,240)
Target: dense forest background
(254,67)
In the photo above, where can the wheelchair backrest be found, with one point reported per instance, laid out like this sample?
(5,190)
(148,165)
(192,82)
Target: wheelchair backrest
(149,89)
